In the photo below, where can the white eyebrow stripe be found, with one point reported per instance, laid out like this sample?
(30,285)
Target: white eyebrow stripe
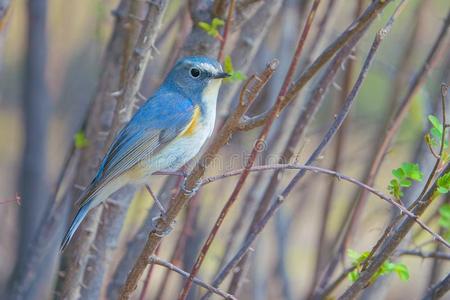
(209,68)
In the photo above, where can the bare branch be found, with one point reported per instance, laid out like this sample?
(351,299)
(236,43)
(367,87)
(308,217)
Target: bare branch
(158,261)
(274,113)
(398,232)
(439,289)
(354,29)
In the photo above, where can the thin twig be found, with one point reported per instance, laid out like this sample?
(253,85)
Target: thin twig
(339,176)
(158,261)
(421,254)
(322,243)
(353,30)
(396,234)
(328,136)
(439,289)
(226,30)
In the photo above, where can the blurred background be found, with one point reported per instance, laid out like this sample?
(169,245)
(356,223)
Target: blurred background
(283,263)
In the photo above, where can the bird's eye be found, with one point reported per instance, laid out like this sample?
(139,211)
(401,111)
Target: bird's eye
(195,72)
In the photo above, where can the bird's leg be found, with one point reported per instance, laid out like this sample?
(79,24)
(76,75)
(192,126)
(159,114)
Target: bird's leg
(162,216)
(157,202)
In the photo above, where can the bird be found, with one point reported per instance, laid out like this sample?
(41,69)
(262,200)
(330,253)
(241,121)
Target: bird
(165,133)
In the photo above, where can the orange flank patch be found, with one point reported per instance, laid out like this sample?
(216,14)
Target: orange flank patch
(191,127)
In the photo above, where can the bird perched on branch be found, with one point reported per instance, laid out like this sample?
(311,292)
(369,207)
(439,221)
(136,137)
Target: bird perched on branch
(164,134)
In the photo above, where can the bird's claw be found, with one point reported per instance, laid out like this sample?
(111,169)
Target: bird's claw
(161,226)
(190,192)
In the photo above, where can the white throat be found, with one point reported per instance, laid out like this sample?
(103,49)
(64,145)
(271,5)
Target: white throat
(209,99)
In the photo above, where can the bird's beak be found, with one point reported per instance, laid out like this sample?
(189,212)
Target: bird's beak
(221,75)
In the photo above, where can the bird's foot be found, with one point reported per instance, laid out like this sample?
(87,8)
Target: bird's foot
(162,225)
(190,192)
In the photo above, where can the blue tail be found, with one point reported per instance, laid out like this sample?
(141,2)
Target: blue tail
(82,212)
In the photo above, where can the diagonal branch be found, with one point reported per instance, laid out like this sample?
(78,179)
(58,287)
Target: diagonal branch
(261,140)
(250,91)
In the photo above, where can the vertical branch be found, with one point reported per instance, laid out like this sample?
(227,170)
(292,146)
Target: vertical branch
(336,165)
(226,30)
(113,214)
(98,128)
(439,289)
(251,36)
(33,186)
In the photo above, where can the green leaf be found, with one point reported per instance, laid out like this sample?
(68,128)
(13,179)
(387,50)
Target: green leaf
(389,267)
(238,76)
(80,140)
(353,254)
(412,171)
(405,183)
(447,236)
(435,122)
(444,181)
(402,271)
(394,188)
(228,65)
(399,173)
(444,223)
(444,215)
(442,190)
(228,68)
(213,28)
(216,23)
(353,275)
(436,133)
(444,210)
(205,26)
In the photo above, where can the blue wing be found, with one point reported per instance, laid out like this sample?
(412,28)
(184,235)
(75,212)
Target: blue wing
(162,118)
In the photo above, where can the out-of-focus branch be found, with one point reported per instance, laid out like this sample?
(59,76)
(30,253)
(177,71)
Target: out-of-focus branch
(113,214)
(260,141)
(421,254)
(303,120)
(354,29)
(249,93)
(395,236)
(33,186)
(226,30)
(395,123)
(439,289)
(257,228)
(98,127)
(245,49)
(322,247)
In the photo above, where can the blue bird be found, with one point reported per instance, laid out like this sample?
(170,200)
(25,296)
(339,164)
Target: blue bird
(164,134)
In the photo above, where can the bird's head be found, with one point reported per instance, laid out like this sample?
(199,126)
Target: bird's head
(197,77)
